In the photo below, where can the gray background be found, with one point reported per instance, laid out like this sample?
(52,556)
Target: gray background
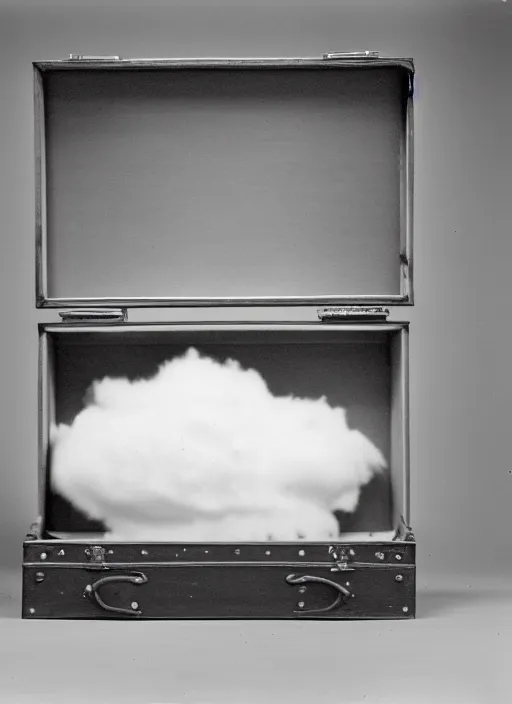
(460,365)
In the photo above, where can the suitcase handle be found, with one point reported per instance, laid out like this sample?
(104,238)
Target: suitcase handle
(342,594)
(92,592)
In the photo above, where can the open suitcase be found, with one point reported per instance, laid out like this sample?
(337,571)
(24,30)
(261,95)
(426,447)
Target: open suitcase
(170,192)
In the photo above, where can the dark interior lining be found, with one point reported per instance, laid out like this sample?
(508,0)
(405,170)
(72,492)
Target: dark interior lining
(352,370)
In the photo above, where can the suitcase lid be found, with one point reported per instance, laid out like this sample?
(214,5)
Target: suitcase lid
(217,182)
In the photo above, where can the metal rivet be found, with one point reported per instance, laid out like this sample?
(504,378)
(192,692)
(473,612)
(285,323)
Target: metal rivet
(351,553)
(110,552)
(405,609)
(43,556)
(143,552)
(39,576)
(302,553)
(206,552)
(301,604)
(399,578)
(267,552)
(302,590)
(88,589)
(347,584)
(32,611)
(134,605)
(237,551)
(379,555)
(61,553)
(398,557)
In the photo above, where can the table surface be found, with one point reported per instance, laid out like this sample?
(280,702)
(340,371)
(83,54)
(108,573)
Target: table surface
(459,649)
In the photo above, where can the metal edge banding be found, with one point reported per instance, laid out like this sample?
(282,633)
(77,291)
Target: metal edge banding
(40,188)
(303,544)
(406,424)
(409,196)
(234,301)
(403,191)
(225,63)
(43,429)
(187,327)
(105,567)
(218,553)
(48,544)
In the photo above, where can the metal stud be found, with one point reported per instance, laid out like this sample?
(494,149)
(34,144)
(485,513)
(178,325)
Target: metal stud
(110,552)
(302,553)
(39,576)
(237,551)
(398,557)
(351,552)
(405,609)
(301,604)
(143,552)
(379,555)
(43,556)
(61,553)
(399,578)
(31,611)
(267,552)
(134,605)
(302,590)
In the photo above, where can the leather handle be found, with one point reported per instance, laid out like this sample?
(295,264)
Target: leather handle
(342,594)
(92,592)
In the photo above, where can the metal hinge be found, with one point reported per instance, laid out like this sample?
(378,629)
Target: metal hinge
(351,313)
(97,315)
(88,57)
(356,55)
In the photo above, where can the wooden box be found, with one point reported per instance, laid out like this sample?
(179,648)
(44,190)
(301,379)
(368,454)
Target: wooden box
(261,184)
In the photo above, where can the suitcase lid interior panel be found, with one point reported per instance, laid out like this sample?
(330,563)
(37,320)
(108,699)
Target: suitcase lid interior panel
(223,185)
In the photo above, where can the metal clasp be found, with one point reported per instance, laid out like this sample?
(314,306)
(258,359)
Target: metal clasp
(95,555)
(341,557)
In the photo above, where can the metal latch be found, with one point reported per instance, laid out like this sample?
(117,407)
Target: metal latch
(341,558)
(95,555)
(355,55)
(352,313)
(96,315)
(88,57)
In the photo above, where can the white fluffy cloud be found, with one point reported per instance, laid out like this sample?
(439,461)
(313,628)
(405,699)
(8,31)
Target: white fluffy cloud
(204,452)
